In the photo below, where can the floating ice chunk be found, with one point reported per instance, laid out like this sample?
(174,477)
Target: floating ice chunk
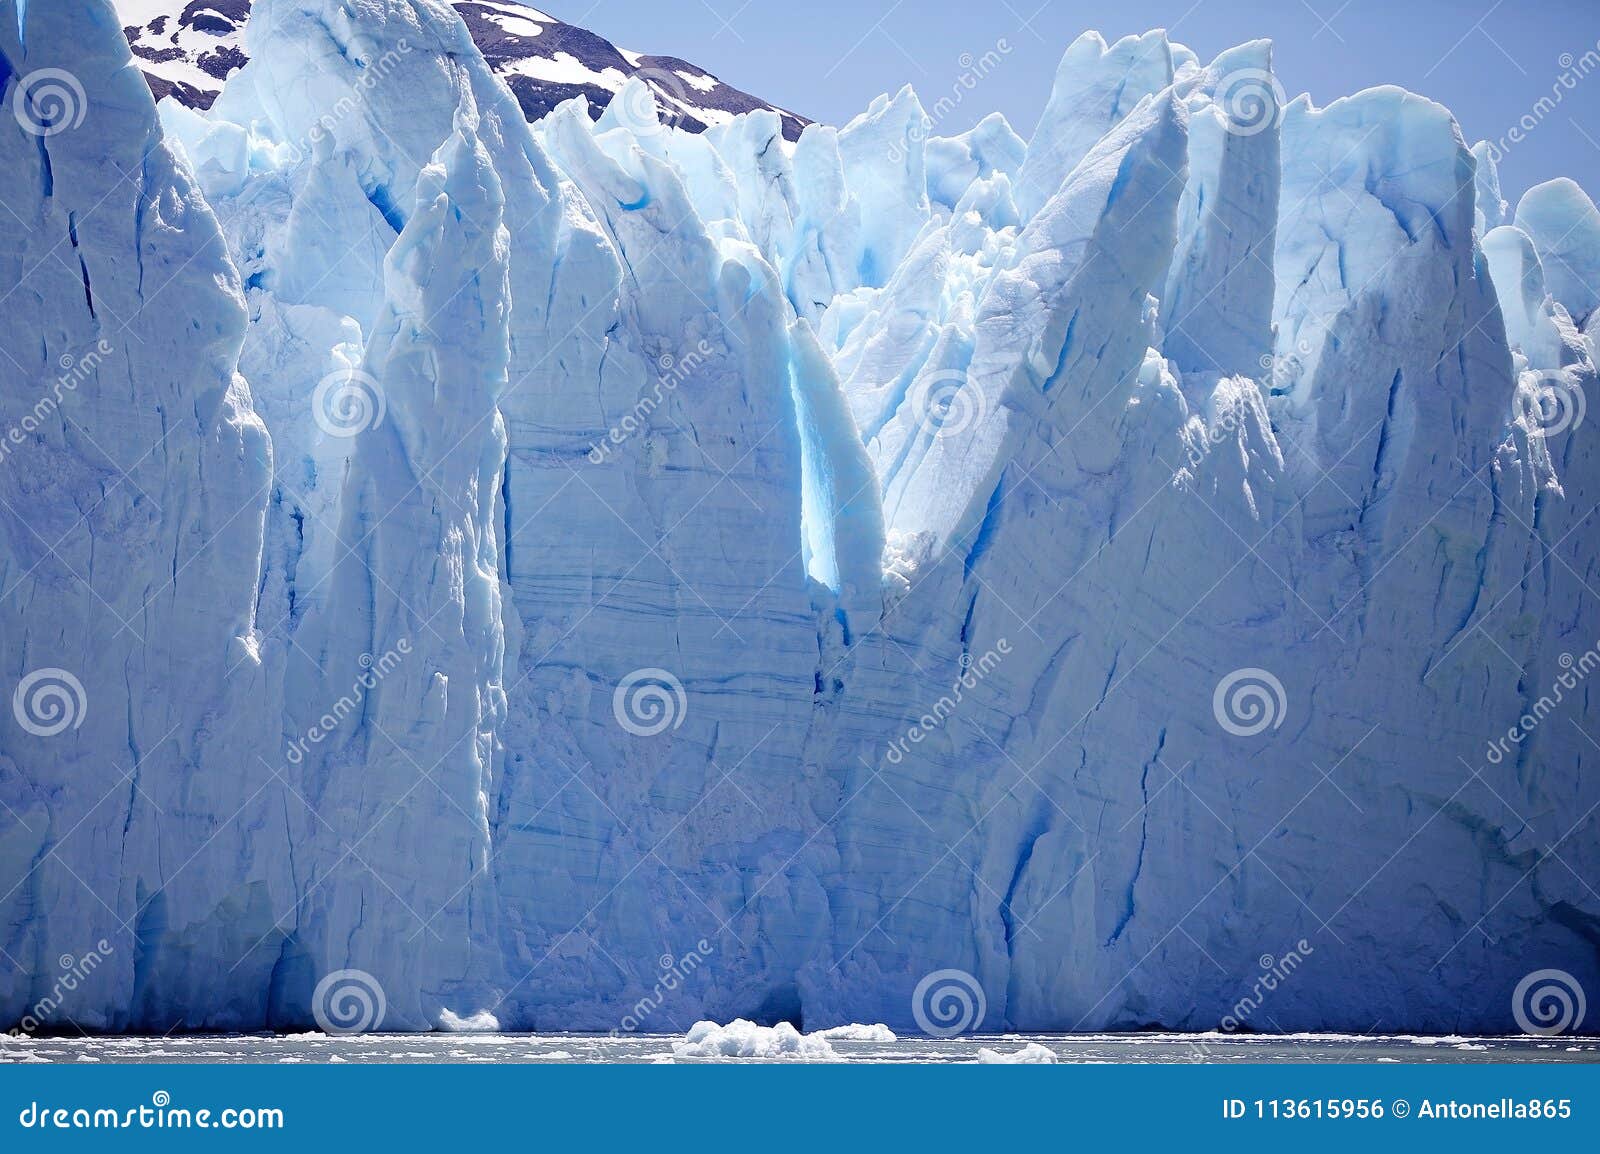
(1031,1054)
(855,1032)
(744,1039)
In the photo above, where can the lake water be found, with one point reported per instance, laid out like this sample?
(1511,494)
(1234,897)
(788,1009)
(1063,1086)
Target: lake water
(1158,1048)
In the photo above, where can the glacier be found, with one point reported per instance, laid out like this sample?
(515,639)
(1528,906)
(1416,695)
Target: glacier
(584,572)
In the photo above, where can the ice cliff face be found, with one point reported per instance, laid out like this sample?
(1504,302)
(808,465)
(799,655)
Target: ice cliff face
(135,486)
(594,575)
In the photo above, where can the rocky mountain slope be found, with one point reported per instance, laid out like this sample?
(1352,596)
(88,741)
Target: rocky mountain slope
(187,48)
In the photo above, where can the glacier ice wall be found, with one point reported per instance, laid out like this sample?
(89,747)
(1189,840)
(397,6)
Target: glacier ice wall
(650,576)
(134,493)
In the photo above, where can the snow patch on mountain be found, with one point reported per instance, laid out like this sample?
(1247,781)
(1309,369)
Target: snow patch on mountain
(188,49)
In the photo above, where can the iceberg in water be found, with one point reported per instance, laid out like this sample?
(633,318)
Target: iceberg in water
(459,573)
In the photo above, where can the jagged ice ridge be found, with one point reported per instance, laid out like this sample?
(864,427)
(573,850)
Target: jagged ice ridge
(504,558)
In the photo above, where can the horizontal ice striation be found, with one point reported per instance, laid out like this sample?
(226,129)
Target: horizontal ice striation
(656,748)
(653,576)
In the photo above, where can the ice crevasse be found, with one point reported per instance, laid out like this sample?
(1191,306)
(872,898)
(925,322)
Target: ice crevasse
(506,560)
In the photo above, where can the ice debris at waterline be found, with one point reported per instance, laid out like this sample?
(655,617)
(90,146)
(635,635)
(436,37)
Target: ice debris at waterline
(744,1039)
(1033,1054)
(459,571)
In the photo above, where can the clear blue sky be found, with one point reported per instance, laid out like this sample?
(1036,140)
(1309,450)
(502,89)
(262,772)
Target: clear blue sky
(1488,61)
